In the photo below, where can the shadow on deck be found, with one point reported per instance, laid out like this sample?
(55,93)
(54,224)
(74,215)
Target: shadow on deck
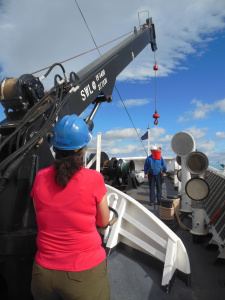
(134,275)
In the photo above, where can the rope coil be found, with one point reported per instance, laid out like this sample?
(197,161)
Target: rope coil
(169,214)
(166,213)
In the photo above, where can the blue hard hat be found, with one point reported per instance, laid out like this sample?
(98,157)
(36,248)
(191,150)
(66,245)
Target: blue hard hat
(70,133)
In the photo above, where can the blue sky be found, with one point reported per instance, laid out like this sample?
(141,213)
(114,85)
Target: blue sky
(190,83)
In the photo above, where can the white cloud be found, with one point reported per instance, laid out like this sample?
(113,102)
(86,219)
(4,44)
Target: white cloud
(118,141)
(166,139)
(202,111)
(123,150)
(197,133)
(36,34)
(205,146)
(220,135)
(133,102)
(124,142)
(52,31)
(216,156)
(182,119)
(221,105)
(156,132)
(121,134)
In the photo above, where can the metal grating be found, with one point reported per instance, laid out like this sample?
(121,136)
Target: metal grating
(216,199)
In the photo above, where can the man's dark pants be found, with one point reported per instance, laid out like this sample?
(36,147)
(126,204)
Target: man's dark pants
(155,180)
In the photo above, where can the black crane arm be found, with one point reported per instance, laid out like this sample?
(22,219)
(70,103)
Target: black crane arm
(99,77)
(26,103)
(19,96)
(31,114)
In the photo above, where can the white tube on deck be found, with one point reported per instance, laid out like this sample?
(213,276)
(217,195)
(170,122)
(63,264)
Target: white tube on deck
(182,144)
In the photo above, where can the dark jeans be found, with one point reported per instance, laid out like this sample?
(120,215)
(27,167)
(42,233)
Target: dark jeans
(90,284)
(155,180)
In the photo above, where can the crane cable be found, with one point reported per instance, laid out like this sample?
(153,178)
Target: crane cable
(115,85)
(88,28)
(156,115)
(155,80)
(97,48)
(131,120)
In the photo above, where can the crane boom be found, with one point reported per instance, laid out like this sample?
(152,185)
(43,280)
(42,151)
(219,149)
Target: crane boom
(99,76)
(31,113)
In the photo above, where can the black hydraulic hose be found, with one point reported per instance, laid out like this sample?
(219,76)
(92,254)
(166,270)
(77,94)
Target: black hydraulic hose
(34,140)
(8,174)
(55,78)
(114,211)
(111,222)
(54,65)
(23,122)
(56,107)
(61,104)
(10,146)
(60,93)
(30,144)
(27,117)
(73,76)
(18,139)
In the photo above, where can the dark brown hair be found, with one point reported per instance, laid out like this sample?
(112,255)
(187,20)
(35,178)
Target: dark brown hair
(67,163)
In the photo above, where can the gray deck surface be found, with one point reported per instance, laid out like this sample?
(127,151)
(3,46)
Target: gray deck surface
(135,276)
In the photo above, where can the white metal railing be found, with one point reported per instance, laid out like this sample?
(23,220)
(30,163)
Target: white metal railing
(213,203)
(140,229)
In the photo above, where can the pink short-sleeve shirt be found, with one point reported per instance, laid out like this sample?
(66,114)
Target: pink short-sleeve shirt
(67,236)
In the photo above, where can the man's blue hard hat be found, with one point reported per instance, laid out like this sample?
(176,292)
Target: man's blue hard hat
(70,133)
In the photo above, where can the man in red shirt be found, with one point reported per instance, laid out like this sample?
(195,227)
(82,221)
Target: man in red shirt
(70,201)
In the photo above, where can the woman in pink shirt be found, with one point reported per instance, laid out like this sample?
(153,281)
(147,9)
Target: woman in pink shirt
(70,201)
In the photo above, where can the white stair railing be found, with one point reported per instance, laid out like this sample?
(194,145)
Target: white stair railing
(138,228)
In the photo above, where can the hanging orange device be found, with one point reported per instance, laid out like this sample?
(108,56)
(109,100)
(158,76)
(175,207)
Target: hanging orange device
(156,115)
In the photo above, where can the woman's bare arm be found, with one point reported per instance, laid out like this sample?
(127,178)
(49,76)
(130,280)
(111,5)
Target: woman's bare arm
(102,217)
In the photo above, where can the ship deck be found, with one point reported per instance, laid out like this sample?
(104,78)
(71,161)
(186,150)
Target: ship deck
(134,275)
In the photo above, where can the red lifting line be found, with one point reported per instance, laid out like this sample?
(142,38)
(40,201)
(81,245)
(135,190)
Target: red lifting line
(156,115)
